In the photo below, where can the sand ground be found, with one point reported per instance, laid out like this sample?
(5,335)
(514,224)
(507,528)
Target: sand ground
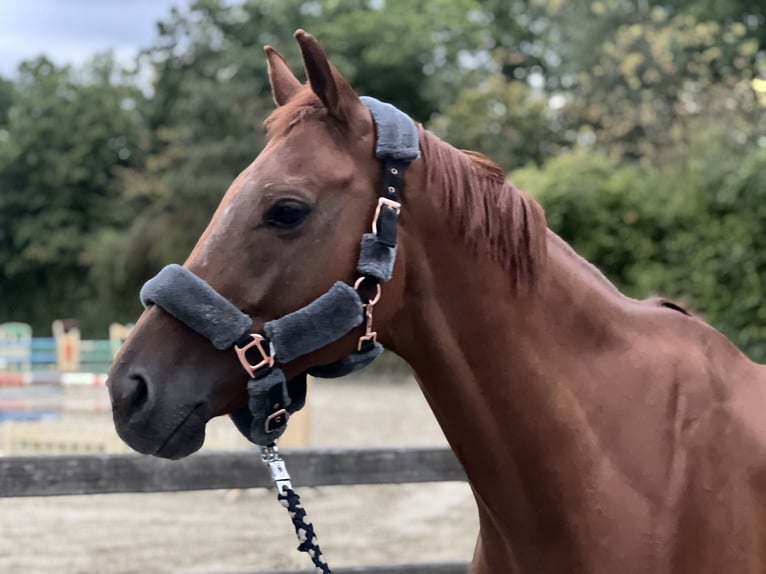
(247,531)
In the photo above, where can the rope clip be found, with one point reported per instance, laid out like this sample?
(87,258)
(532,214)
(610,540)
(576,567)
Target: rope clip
(270,456)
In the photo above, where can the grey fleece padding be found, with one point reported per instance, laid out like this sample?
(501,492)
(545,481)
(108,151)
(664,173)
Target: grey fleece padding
(196,304)
(347,365)
(321,322)
(243,420)
(254,425)
(251,420)
(376,259)
(397,133)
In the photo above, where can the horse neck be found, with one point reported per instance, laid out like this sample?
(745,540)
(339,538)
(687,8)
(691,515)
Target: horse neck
(504,370)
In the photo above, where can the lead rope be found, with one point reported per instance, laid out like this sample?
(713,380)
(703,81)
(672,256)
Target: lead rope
(292,502)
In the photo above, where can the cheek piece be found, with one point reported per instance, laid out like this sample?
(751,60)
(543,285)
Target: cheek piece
(325,320)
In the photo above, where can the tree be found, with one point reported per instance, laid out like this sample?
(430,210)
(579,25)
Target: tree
(691,232)
(652,81)
(6,98)
(503,119)
(211,93)
(608,212)
(100,185)
(64,136)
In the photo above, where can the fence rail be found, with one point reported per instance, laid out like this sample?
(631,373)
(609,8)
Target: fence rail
(104,474)
(429,568)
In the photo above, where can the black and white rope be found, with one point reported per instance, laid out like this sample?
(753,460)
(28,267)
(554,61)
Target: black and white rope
(304,529)
(292,502)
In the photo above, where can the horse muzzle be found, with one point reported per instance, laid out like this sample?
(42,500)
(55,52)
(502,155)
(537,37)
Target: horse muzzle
(147,425)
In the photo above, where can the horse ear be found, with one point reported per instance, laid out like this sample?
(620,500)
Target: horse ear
(325,80)
(284,84)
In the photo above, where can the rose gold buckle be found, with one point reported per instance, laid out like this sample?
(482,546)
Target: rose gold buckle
(395,205)
(373,336)
(272,416)
(369,334)
(257,342)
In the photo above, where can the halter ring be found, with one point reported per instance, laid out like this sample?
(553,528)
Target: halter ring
(371,302)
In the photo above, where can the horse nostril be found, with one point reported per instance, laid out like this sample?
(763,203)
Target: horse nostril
(136,392)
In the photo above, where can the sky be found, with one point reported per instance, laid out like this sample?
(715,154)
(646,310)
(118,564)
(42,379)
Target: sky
(70,31)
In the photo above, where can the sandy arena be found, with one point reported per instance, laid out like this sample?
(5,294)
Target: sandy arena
(248,531)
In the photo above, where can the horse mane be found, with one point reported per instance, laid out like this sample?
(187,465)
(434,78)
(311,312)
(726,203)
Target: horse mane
(492,215)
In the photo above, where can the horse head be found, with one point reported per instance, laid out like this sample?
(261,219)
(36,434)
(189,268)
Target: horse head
(286,230)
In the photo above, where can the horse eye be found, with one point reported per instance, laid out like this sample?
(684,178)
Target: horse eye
(287,213)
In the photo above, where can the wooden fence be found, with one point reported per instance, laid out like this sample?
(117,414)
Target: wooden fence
(104,474)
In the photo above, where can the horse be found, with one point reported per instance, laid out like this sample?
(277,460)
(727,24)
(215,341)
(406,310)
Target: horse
(599,433)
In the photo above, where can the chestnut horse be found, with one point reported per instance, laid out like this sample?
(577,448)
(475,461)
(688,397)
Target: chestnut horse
(599,433)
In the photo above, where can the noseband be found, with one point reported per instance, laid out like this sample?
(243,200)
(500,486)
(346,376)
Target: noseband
(325,320)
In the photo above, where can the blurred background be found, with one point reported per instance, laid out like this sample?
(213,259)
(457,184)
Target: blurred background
(640,125)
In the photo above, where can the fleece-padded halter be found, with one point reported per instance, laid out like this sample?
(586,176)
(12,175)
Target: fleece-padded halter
(321,322)
(397,134)
(333,315)
(196,304)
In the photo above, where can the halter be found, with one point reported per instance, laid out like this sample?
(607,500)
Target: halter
(272,399)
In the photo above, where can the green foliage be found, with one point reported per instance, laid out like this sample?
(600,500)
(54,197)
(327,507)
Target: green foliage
(602,209)
(502,119)
(663,193)
(716,253)
(652,79)
(63,140)
(692,232)
(6,99)
(211,94)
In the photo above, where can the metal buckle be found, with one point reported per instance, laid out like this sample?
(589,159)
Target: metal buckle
(395,205)
(272,417)
(257,342)
(369,334)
